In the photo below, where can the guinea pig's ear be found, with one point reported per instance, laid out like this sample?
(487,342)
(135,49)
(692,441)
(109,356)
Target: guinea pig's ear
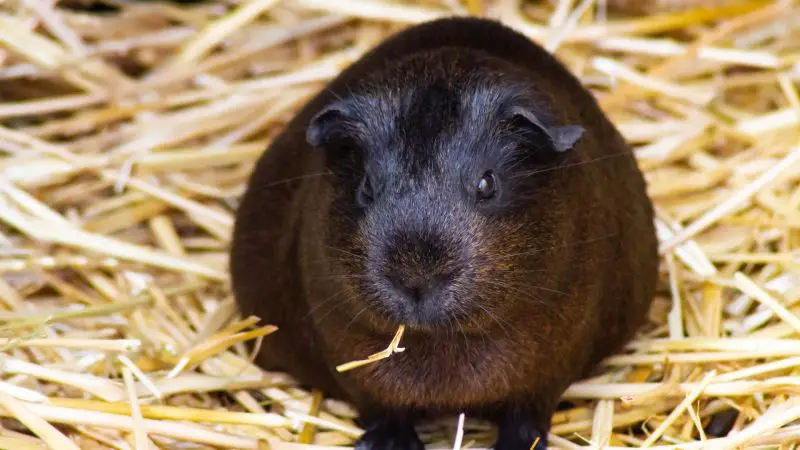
(332,125)
(561,138)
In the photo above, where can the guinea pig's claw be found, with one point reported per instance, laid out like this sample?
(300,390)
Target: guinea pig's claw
(390,436)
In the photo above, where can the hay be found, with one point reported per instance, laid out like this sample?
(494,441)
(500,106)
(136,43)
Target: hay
(126,139)
(394,347)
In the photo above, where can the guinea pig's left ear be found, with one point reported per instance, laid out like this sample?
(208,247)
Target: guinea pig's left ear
(331,125)
(562,138)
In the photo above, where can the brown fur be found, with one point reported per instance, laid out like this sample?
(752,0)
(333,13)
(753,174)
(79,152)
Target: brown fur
(551,285)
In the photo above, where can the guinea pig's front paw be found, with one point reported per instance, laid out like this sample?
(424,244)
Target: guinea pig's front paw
(520,436)
(390,436)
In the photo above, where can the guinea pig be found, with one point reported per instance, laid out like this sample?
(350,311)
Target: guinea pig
(459,180)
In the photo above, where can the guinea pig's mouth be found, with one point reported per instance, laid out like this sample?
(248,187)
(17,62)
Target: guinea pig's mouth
(430,316)
(423,317)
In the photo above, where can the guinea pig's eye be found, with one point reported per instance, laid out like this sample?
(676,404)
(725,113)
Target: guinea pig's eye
(487,186)
(364,196)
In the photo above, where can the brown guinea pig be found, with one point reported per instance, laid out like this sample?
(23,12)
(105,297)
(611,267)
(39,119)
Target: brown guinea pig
(457,179)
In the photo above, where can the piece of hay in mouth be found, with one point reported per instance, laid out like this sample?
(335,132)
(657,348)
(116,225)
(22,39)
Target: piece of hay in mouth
(383,354)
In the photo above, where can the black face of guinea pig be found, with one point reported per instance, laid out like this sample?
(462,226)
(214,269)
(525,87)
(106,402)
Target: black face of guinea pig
(428,180)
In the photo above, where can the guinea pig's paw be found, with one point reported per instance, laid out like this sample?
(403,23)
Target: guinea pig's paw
(520,436)
(390,436)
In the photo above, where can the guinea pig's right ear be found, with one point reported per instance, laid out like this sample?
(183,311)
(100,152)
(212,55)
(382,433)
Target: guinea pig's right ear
(332,125)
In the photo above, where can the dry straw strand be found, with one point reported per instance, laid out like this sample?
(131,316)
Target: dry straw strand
(383,354)
(43,429)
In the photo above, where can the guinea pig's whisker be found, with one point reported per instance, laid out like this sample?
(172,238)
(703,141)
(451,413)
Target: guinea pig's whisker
(354,255)
(329,260)
(502,323)
(345,216)
(523,284)
(464,335)
(449,325)
(485,333)
(353,320)
(289,180)
(460,329)
(570,166)
(335,305)
(571,244)
(340,277)
(515,270)
(526,295)
(323,303)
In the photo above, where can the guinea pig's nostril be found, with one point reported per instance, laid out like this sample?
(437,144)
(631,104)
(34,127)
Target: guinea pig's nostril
(407,288)
(419,289)
(417,294)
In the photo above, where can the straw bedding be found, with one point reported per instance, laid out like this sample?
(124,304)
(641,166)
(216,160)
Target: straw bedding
(127,132)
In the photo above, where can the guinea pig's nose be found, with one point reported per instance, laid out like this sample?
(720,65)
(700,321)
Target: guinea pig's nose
(419,289)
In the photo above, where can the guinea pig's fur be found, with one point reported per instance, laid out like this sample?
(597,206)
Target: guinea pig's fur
(459,180)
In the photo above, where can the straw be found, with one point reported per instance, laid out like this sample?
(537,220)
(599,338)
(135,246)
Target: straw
(375,357)
(48,433)
(127,139)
